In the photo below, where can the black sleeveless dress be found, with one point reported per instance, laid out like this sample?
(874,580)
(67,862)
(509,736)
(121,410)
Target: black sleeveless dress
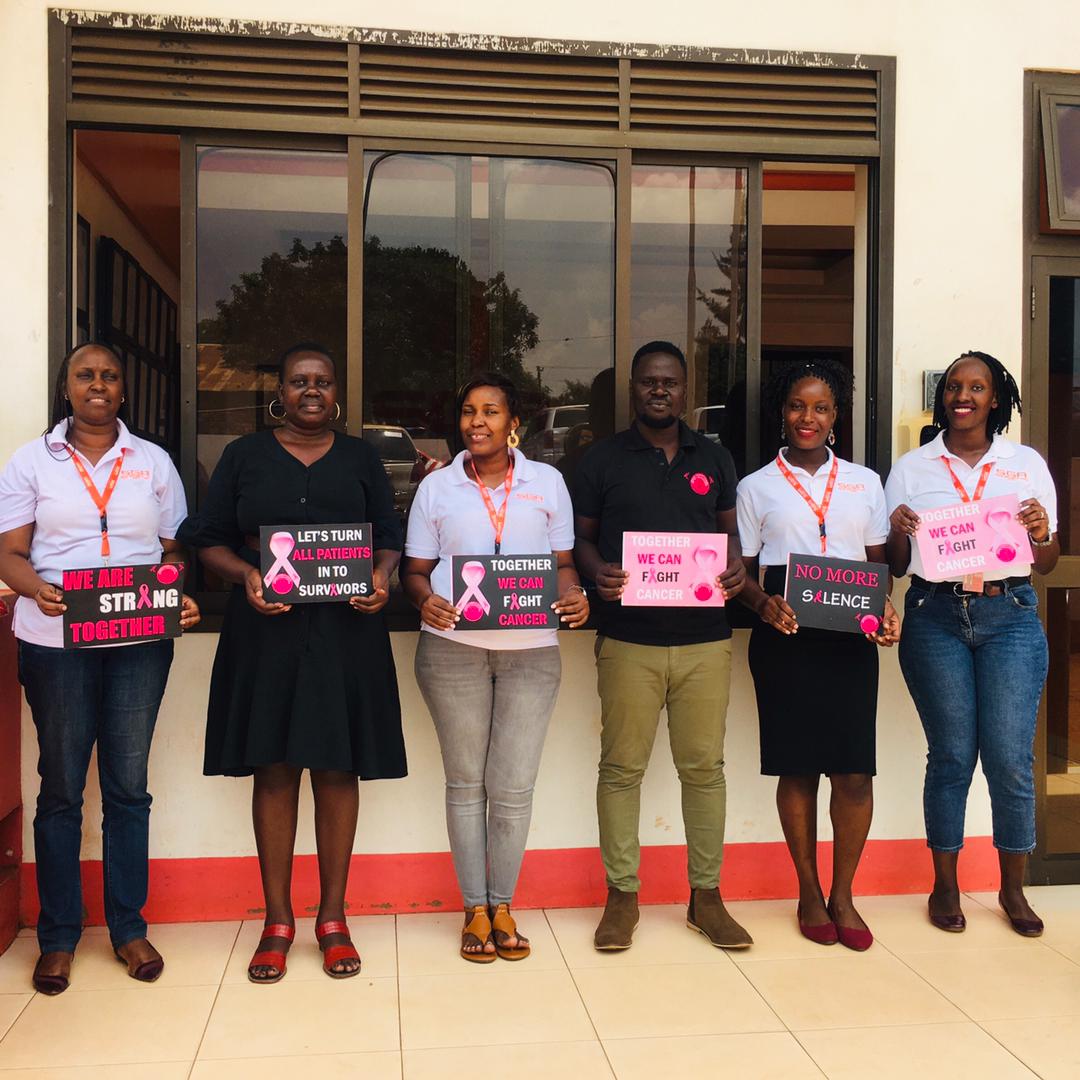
(316,687)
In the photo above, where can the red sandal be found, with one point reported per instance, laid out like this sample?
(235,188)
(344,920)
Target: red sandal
(334,954)
(270,957)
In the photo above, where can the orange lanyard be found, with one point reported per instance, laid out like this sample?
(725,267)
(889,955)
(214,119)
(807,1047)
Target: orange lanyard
(980,487)
(498,520)
(101,500)
(823,509)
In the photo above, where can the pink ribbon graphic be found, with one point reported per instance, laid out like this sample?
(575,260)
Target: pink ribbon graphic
(282,576)
(705,557)
(473,603)
(144,597)
(999,521)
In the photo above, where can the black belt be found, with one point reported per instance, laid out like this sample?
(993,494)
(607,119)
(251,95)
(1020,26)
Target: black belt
(990,588)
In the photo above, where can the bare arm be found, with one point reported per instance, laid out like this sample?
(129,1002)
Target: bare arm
(385,562)
(20,576)
(228,566)
(435,610)
(733,578)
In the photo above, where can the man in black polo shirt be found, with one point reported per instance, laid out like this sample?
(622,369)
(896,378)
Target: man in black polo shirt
(659,476)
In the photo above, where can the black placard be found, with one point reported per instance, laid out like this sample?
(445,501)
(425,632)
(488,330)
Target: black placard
(315,564)
(505,592)
(111,605)
(837,594)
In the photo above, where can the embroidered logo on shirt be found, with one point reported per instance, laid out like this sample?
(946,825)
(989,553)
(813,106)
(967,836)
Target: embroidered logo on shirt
(850,487)
(700,484)
(134,474)
(529,496)
(1009,474)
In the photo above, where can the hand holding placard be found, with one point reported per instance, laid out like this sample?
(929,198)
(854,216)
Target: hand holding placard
(973,538)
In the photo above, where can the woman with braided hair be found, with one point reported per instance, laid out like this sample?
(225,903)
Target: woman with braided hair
(974,654)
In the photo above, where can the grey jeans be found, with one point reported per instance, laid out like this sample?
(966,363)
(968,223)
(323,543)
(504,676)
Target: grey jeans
(491,709)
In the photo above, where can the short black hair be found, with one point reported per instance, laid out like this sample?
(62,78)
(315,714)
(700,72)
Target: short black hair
(299,347)
(667,348)
(490,378)
(1005,390)
(60,405)
(834,375)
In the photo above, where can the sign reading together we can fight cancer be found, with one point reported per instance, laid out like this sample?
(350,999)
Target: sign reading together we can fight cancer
(309,564)
(110,605)
(505,592)
(977,537)
(669,569)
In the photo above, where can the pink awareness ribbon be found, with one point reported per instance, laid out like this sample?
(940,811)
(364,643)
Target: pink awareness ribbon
(282,572)
(999,520)
(144,597)
(472,602)
(705,557)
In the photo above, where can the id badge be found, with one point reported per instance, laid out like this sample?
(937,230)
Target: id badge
(972,583)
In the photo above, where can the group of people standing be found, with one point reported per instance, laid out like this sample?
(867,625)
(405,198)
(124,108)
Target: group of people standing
(314,686)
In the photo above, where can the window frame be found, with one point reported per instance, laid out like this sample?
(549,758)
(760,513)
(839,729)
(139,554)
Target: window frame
(1049,101)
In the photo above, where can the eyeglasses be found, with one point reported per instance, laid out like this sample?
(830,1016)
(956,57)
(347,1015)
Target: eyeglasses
(650,382)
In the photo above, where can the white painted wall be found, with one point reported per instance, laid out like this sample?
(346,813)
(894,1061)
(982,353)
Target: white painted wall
(958,285)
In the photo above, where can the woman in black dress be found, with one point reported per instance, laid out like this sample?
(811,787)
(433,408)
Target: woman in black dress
(310,686)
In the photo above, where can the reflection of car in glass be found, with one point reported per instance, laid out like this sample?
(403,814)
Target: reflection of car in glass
(709,420)
(404,466)
(546,433)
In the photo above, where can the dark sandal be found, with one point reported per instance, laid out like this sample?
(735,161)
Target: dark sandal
(49,984)
(479,929)
(270,957)
(334,954)
(503,923)
(148,971)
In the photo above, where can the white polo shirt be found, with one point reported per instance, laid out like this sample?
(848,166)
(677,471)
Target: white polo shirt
(774,520)
(921,481)
(448,517)
(41,487)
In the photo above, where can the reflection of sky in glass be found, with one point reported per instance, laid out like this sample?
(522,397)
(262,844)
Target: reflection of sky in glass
(1068,142)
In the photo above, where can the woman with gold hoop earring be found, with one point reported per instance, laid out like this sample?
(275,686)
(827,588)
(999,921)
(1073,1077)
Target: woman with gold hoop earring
(310,686)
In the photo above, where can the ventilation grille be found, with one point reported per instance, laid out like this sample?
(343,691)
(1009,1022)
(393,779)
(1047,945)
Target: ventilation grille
(205,71)
(720,99)
(488,88)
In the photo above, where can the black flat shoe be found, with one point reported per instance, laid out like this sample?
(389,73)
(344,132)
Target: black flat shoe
(48,984)
(1024,927)
(952,924)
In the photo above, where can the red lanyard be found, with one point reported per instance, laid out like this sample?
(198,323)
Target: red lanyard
(101,500)
(980,487)
(497,519)
(823,509)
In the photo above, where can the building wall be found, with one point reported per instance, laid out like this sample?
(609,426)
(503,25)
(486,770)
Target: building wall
(958,278)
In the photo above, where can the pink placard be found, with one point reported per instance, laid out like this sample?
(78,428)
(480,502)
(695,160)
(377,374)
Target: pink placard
(673,569)
(981,537)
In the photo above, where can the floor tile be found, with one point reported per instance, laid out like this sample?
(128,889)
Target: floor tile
(848,991)
(1049,1045)
(17,966)
(510,1004)
(928,1051)
(534,1061)
(677,999)
(102,1027)
(1003,984)
(429,944)
(764,1056)
(375,1066)
(11,1005)
(775,930)
(373,936)
(174,1070)
(1045,899)
(662,937)
(294,1017)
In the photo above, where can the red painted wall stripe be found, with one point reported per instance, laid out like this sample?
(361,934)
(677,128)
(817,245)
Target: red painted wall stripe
(194,890)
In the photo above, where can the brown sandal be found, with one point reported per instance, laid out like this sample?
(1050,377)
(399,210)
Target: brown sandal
(503,923)
(478,928)
(49,984)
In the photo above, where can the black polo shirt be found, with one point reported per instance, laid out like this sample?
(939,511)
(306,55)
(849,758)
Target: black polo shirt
(628,485)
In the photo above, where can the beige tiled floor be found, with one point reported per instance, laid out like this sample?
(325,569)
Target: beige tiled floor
(921,1004)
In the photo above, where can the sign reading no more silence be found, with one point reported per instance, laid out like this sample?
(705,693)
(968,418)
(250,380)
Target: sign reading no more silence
(110,605)
(505,592)
(315,564)
(837,594)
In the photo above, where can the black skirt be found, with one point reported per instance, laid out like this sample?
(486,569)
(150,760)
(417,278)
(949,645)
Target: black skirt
(817,701)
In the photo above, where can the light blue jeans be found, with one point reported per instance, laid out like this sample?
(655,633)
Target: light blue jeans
(491,709)
(975,667)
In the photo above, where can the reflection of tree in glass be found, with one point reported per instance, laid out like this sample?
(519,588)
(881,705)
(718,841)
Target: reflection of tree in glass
(295,296)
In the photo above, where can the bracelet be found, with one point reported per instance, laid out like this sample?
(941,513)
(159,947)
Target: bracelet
(1042,543)
(580,588)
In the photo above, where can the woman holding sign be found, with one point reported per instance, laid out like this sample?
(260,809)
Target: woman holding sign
(974,654)
(303,685)
(88,494)
(810,502)
(490,692)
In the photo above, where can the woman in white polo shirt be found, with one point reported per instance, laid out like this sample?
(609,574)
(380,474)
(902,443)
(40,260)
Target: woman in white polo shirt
(490,692)
(816,689)
(86,493)
(974,653)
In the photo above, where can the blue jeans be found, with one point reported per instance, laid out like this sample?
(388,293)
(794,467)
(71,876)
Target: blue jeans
(975,667)
(78,697)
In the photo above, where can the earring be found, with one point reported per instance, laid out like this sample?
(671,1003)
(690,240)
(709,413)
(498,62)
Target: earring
(274,415)
(513,440)
(122,399)
(337,413)
(832,437)
(783,431)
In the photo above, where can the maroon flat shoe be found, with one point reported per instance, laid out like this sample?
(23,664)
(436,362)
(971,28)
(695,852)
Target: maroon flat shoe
(850,938)
(951,924)
(1024,927)
(821,934)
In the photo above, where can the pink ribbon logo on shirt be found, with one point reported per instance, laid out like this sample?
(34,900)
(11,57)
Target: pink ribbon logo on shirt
(474,604)
(282,576)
